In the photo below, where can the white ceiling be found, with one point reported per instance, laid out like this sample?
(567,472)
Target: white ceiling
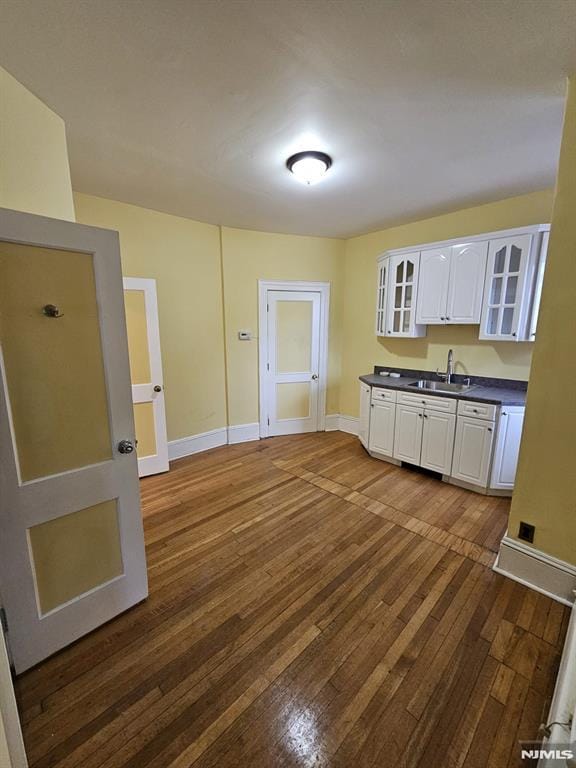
(192,106)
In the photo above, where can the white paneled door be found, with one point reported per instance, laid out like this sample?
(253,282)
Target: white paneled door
(141,306)
(293,368)
(71,544)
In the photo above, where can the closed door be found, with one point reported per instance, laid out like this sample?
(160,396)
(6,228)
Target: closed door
(72,546)
(293,364)
(438,441)
(408,433)
(364,421)
(433,286)
(472,450)
(141,306)
(382,422)
(466,287)
(504,287)
(507,448)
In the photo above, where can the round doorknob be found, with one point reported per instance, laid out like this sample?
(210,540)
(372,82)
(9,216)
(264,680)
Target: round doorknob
(314,376)
(125,446)
(157,388)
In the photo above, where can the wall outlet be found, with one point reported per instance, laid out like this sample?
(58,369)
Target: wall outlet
(526,532)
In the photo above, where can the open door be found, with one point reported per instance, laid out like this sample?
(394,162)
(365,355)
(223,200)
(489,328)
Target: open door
(146,374)
(72,545)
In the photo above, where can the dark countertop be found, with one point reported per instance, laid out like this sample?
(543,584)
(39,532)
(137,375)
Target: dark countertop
(490,393)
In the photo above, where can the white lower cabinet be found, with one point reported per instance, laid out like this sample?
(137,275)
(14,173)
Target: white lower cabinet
(472,450)
(364,421)
(507,447)
(382,420)
(408,433)
(438,441)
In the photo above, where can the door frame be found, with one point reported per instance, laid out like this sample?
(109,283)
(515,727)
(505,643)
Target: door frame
(292,285)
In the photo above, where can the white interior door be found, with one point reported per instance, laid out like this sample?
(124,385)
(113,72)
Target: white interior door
(141,306)
(72,546)
(293,361)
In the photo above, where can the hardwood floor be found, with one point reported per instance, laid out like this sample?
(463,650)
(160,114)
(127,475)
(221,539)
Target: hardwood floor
(309,606)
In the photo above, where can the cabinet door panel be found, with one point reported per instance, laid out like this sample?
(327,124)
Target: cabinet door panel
(438,441)
(507,448)
(364,421)
(466,286)
(401,296)
(472,450)
(381,297)
(382,419)
(408,433)
(505,288)
(433,286)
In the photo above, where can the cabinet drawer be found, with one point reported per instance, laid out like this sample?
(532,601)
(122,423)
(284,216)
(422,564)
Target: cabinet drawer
(387,395)
(477,410)
(444,404)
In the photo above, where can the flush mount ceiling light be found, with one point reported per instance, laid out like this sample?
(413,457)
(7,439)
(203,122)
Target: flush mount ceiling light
(309,167)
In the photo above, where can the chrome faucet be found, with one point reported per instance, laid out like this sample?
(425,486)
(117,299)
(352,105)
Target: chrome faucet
(447,377)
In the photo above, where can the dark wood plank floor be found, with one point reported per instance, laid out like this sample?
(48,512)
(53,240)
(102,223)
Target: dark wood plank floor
(309,606)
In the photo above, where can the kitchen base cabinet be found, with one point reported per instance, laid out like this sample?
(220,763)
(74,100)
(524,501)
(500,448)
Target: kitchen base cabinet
(382,420)
(438,441)
(408,433)
(507,447)
(472,450)
(364,421)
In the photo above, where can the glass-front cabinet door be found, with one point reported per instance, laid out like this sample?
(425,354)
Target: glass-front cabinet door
(505,287)
(401,299)
(381,297)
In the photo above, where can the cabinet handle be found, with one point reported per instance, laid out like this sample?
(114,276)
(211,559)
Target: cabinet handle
(442,318)
(504,413)
(371,405)
(514,334)
(447,318)
(475,410)
(425,416)
(489,429)
(420,415)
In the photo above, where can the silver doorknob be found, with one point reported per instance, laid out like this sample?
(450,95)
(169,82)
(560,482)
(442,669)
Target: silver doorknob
(314,376)
(125,446)
(157,388)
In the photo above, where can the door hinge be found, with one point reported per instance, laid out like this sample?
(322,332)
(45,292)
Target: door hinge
(3,621)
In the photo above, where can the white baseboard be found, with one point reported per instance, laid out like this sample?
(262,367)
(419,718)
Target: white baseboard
(243,433)
(332,422)
(186,446)
(537,570)
(348,424)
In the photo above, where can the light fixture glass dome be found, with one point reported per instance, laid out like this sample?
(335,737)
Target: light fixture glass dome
(309,167)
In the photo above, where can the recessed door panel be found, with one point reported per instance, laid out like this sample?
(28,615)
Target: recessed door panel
(53,364)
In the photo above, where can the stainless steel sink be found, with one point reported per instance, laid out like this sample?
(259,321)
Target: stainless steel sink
(440,386)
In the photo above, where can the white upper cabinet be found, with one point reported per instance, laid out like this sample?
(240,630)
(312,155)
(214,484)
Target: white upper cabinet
(451,284)
(401,296)
(433,287)
(494,280)
(505,300)
(381,297)
(535,310)
(466,286)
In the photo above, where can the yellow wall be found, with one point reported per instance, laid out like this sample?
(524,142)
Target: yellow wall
(252,256)
(34,169)
(545,492)
(362,349)
(184,258)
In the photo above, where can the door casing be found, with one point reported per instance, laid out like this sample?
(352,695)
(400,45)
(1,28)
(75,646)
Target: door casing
(292,285)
